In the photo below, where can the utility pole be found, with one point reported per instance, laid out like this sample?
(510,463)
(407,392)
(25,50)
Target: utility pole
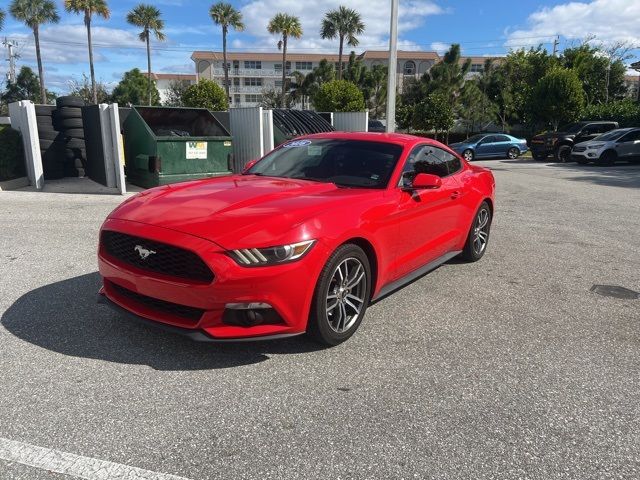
(11,44)
(393,63)
(556,42)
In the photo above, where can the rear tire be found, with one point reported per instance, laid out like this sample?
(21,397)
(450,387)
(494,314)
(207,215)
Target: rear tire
(341,296)
(478,237)
(513,153)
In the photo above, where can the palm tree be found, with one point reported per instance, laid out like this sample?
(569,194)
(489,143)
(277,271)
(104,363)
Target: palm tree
(147,17)
(287,26)
(88,8)
(35,13)
(344,23)
(2,15)
(225,15)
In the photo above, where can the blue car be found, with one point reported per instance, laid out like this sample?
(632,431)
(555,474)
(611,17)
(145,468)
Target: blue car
(490,145)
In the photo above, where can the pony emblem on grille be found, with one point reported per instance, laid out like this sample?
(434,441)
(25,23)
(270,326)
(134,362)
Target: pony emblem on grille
(143,252)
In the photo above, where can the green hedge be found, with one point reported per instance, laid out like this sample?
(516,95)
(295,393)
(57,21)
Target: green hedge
(625,112)
(11,154)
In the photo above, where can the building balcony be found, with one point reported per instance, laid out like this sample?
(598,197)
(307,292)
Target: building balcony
(243,72)
(247,88)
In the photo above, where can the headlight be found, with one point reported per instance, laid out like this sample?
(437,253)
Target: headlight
(597,145)
(256,257)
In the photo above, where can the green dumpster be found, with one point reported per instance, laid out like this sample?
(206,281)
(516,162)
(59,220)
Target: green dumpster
(167,145)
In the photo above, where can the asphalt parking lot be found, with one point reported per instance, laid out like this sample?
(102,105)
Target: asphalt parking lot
(507,368)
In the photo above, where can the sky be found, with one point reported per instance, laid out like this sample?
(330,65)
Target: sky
(481,27)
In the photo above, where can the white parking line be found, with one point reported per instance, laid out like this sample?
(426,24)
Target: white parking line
(74,465)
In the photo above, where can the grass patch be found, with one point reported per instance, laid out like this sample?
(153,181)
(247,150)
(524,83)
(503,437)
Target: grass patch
(11,154)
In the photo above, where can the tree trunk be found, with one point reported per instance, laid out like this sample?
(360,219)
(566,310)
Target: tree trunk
(283,101)
(340,58)
(43,92)
(149,68)
(225,67)
(94,90)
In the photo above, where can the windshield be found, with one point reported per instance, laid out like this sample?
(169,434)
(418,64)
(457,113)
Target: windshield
(612,135)
(474,139)
(571,128)
(348,163)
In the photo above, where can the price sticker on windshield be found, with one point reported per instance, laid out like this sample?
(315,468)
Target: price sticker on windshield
(314,150)
(297,143)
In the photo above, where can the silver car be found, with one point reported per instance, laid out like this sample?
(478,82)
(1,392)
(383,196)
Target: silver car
(608,148)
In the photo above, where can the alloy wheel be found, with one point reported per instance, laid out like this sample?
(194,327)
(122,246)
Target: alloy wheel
(345,295)
(468,155)
(513,153)
(481,231)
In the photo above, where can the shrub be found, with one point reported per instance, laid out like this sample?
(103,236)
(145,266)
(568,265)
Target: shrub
(625,112)
(339,96)
(205,94)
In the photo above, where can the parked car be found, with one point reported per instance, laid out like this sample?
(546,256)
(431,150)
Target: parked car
(302,240)
(606,149)
(376,126)
(493,145)
(560,143)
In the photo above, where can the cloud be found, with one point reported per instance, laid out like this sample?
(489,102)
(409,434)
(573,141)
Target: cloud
(440,47)
(375,15)
(609,20)
(68,43)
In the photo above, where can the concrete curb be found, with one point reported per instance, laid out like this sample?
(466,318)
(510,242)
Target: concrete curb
(14,184)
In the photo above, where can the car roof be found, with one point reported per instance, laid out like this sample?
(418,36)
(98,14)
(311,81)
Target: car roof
(397,138)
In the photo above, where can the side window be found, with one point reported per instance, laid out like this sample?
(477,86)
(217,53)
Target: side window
(429,159)
(502,138)
(489,139)
(630,137)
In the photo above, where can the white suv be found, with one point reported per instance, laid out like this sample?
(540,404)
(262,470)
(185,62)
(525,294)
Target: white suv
(606,149)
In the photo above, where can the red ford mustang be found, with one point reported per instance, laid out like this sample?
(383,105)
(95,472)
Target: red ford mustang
(302,241)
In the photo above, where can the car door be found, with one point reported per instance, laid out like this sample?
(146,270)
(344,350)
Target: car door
(502,145)
(628,145)
(486,146)
(427,220)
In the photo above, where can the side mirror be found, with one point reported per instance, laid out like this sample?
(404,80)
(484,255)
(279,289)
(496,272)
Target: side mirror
(426,181)
(249,165)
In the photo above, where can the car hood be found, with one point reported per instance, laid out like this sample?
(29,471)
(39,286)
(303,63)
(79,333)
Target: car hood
(240,210)
(550,135)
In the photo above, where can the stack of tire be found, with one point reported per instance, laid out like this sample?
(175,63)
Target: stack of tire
(52,143)
(67,118)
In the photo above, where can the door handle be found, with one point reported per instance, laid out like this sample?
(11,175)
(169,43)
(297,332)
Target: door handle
(455,194)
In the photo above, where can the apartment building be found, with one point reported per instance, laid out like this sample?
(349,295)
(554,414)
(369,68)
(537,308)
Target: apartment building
(163,82)
(632,82)
(252,73)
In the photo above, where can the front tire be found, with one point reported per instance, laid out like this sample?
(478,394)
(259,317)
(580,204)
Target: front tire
(563,153)
(341,296)
(478,237)
(607,158)
(468,155)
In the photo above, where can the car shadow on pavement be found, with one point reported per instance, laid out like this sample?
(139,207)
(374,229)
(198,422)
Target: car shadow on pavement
(65,317)
(618,175)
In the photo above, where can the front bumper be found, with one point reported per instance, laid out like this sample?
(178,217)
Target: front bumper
(288,288)
(541,149)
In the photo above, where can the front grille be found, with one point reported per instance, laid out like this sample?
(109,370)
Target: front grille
(579,149)
(164,259)
(184,312)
